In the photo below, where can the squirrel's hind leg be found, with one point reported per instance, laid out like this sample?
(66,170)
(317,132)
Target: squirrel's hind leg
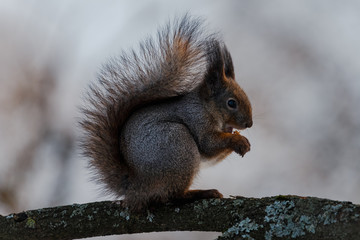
(165,161)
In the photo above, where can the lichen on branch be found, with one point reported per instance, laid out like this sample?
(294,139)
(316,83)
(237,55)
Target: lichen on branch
(280,217)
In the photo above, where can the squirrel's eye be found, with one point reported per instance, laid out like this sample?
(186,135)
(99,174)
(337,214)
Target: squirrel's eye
(232,103)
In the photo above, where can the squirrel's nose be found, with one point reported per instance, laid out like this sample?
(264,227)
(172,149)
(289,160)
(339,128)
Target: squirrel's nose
(249,123)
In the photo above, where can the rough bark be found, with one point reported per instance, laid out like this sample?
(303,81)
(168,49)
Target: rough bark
(280,217)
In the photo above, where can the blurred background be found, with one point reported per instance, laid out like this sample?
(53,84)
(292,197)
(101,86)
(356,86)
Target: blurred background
(298,61)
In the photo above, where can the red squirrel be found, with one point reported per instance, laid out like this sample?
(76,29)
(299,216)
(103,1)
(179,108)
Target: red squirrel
(154,115)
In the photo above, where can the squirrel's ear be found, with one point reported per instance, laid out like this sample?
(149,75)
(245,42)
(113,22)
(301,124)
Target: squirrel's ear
(215,71)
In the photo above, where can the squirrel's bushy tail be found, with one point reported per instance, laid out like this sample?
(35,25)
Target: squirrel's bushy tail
(172,64)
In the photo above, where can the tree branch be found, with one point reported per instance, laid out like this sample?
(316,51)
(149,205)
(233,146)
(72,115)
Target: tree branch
(280,217)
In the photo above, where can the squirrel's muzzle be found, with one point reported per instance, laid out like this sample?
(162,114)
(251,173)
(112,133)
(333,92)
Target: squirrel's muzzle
(248,124)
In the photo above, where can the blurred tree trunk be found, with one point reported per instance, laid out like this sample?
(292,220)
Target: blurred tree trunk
(280,217)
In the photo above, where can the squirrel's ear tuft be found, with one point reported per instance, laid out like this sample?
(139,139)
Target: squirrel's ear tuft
(215,58)
(228,63)
(215,71)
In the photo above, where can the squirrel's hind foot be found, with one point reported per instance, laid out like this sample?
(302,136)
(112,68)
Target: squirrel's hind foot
(203,194)
(193,195)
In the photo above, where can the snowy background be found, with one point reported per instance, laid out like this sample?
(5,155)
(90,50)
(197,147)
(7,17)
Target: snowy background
(298,61)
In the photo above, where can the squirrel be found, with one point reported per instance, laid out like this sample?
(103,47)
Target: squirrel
(155,114)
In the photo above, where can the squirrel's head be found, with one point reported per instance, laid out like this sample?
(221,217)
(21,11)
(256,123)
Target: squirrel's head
(228,102)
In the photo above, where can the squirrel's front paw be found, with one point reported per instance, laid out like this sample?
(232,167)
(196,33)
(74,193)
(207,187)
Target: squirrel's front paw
(241,145)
